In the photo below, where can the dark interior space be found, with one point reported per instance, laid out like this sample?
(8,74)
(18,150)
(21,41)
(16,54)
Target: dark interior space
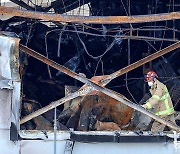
(94,50)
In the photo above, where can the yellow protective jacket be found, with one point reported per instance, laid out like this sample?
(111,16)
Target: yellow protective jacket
(160,100)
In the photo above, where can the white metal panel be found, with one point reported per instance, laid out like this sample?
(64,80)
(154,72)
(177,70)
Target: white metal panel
(41,147)
(44,135)
(125,148)
(5,108)
(15,104)
(7,146)
(5,48)
(33,144)
(46,147)
(9,93)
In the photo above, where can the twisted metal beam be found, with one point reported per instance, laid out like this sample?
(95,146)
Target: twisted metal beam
(90,19)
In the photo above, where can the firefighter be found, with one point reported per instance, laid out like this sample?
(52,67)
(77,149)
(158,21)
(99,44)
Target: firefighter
(160,102)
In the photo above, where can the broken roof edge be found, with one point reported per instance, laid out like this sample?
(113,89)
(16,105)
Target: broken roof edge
(100,136)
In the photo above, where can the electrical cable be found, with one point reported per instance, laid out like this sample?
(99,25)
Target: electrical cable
(84,46)
(59,41)
(165,26)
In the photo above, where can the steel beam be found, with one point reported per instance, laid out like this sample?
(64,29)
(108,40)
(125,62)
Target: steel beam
(140,63)
(90,19)
(98,87)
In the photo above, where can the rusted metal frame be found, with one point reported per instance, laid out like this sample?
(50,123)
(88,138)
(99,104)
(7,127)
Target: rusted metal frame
(97,87)
(139,63)
(90,19)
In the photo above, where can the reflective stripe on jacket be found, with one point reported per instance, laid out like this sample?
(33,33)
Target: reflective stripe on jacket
(160,100)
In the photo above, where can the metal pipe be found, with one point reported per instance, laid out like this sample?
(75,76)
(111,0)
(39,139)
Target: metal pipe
(90,19)
(55,130)
(98,87)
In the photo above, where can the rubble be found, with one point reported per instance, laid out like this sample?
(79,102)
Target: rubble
(110,126)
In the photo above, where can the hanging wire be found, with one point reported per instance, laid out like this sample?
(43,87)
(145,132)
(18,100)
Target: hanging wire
(102,67)
(79,8)
(48,68)
(129,49)
(174,33)
(129,62)
(126,11)
(151,45)
(59,41)
(29,32)
(101,56)
(165,26)
(109,30)
(64,6)
(155,21)
(84,46)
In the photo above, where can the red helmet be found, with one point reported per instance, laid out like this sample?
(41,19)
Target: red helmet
(150,76)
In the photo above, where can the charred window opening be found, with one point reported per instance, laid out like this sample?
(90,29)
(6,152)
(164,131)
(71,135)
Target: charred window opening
(93,50)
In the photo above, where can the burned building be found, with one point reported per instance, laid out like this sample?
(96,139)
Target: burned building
(82,63)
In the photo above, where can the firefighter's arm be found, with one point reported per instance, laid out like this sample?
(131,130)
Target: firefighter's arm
(150,103)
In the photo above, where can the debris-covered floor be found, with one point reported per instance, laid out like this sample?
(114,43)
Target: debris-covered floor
(94,51)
